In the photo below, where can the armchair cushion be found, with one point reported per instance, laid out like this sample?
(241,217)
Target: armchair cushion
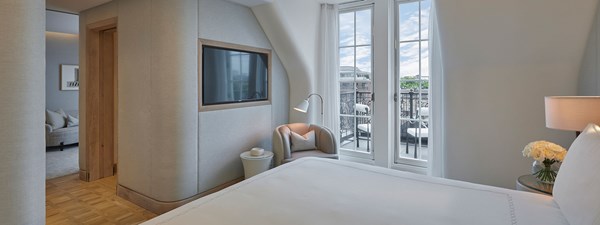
(302,142)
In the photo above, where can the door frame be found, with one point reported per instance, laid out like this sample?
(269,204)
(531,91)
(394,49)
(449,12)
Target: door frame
(96,158)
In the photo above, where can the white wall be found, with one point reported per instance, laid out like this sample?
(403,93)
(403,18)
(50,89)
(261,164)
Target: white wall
(158,98)
(224,134)
(168,151)
(158,105)
(62,44)
(589,75)
(61,48)
(500,59)
(62,22)
(22,159)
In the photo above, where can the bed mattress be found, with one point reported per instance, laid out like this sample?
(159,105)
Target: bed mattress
(324,191)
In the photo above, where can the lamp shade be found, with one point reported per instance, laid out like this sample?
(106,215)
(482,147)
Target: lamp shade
(572,112)
(303,106)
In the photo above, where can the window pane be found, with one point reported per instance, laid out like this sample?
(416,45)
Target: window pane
(346,29)
(408,21)
(413,76)
(356,80)
(424,88)
(347,98)
(409,84)
(347,59)
(363,62)
(409,59)
(425,60)
(425,9)
(363,27)
(347,129)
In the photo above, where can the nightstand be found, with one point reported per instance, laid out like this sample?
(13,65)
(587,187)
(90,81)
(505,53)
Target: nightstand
(531,184)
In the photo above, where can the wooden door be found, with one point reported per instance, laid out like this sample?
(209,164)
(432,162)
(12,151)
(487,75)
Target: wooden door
(107,116)
(101,100)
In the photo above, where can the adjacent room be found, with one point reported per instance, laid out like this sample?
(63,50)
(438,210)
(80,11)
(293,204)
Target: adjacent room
(457,112)
(62,94)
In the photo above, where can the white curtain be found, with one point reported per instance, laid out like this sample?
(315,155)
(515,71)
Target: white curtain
(436,159)
(328,68)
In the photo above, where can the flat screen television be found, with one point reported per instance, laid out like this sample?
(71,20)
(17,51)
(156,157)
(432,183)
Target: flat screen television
(233,75)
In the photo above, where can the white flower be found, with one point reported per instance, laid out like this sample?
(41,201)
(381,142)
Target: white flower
(544,150)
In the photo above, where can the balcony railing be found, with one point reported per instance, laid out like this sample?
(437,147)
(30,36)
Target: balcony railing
(355,121)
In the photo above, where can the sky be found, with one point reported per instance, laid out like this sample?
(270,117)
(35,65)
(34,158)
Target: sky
(408,31)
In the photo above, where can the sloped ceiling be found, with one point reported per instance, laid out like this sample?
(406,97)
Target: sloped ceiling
(251,3)
(73,6)
(292,28)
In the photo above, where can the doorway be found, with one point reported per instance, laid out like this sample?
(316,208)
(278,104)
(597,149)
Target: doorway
(102,100)
(62,94)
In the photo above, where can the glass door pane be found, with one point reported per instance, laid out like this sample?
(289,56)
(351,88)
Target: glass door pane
(356,81)
(412,86)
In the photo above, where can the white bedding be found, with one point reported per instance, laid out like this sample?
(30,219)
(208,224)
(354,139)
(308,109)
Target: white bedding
(322,191)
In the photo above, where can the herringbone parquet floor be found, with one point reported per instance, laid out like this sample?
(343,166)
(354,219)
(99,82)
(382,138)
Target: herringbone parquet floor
(72,201)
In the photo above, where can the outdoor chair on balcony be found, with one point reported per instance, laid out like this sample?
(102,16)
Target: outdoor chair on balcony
(417,133)
(363,126)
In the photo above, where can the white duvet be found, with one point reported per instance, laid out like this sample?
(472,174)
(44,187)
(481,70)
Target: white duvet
(321,191)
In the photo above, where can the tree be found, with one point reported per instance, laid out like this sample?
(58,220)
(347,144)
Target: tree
(412,83)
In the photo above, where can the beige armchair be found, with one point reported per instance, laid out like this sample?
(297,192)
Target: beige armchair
(324,141)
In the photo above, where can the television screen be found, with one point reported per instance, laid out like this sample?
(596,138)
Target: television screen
(230,76)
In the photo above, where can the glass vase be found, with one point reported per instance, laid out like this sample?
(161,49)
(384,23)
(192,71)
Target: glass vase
(545,171)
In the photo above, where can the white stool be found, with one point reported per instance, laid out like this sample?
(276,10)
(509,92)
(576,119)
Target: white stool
(256,164)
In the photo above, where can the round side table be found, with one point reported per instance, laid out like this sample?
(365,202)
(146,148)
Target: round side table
(531,184)
(256,164)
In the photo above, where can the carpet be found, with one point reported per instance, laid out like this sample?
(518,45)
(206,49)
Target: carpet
(60,163)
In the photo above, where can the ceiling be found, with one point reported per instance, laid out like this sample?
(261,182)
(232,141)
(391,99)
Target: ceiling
(251,3)
(73,6)
(76,6)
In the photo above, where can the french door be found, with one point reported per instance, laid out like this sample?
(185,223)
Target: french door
(412,82)
(356,81)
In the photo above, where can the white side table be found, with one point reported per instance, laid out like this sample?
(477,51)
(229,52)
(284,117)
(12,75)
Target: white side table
(256,164)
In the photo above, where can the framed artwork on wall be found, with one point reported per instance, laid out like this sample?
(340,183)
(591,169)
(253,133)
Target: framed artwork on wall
(69,77)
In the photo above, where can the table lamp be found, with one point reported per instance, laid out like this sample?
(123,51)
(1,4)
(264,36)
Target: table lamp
(572,113)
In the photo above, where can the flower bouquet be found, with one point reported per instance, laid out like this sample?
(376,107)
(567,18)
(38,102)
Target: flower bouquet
(545,153)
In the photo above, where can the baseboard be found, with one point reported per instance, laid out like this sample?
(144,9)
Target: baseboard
(160,207)
(84,175)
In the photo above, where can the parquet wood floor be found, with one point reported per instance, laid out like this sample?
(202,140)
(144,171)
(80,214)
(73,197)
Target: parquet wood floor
(72,201)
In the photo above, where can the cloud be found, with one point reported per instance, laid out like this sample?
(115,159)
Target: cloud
(409,59)
(409,30)
(363,55)
(346,28)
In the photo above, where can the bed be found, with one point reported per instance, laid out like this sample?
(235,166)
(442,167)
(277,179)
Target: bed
(324,191)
